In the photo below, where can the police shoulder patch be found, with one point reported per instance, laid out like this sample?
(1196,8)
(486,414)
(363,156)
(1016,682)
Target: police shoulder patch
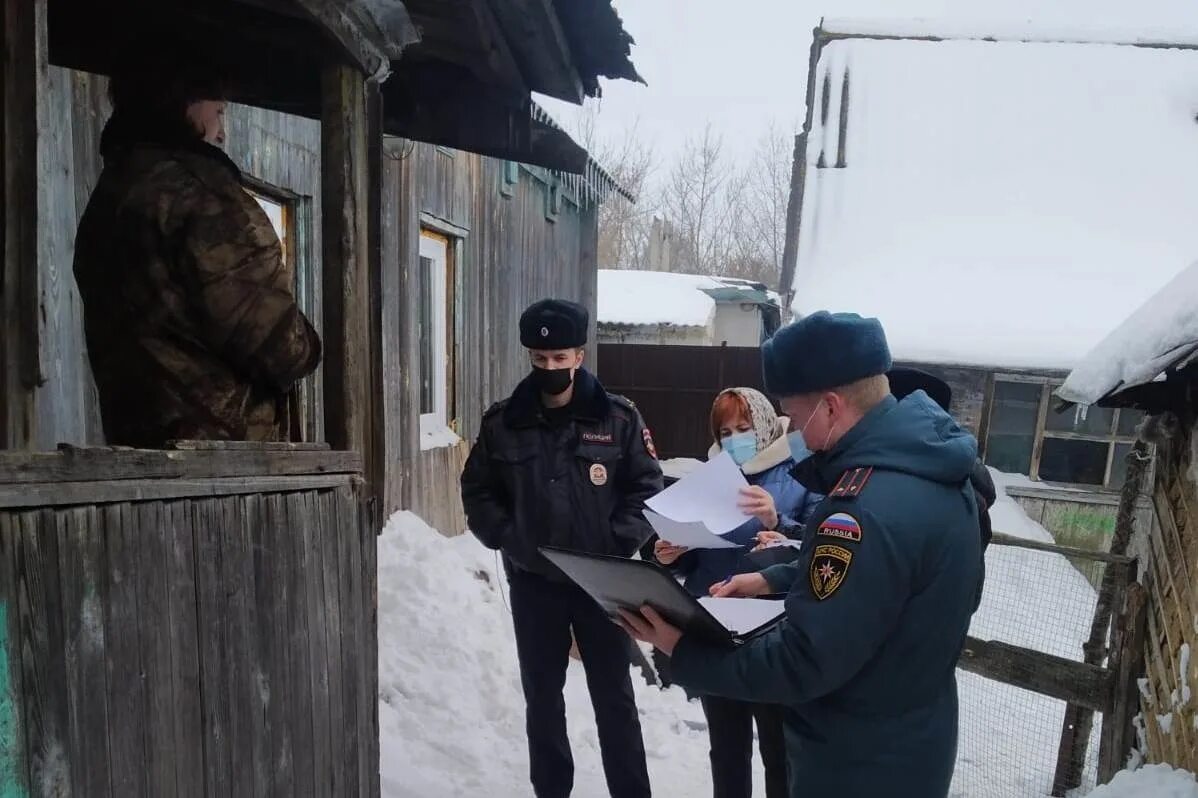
(829,567)
(649,447)
(840,525)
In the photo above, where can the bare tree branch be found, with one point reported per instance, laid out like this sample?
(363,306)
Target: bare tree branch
(712,215)
(623,226)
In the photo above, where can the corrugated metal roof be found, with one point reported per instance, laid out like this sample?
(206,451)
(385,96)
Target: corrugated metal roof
(595,185)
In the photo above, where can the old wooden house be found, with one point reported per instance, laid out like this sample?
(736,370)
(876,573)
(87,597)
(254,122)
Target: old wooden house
(477,240)
(1148,363)
(988,234)
(202,620)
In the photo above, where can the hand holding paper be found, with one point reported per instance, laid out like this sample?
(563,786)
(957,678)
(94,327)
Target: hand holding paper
(667,553)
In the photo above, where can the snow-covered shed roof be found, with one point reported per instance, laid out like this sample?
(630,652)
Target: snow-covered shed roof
(996,203)
(1154,343)
(942,29)
(631,297)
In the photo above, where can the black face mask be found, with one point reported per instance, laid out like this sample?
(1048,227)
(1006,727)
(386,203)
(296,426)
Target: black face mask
(552,381)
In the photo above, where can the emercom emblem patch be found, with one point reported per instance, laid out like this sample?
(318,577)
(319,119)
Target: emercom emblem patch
(829,567)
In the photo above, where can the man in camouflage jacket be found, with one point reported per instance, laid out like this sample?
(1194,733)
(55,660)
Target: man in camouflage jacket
(192,327)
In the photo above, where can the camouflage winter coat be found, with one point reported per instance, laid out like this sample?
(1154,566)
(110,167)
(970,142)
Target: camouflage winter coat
(192,325)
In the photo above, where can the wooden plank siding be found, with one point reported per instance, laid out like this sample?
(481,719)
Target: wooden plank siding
(1170,575)
(25,44)
(508,254)
(185,645)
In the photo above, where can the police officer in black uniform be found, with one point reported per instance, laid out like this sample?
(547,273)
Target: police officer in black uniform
(564,463)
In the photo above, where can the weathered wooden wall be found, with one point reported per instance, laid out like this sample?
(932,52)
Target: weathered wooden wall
(64,406)
(508,254)
(969,386)
(1170,573)
(168,631)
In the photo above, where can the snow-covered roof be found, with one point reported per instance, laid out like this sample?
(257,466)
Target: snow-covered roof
(1161,333)
(1000,203)
(1007,31)
(631,297)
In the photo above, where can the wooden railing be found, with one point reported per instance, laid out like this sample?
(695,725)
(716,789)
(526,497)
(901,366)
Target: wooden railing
(195,622)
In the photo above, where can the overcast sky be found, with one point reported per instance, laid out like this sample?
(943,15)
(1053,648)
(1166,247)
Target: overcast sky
(739,65)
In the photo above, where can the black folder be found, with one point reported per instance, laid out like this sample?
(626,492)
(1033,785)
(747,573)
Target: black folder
(619,583)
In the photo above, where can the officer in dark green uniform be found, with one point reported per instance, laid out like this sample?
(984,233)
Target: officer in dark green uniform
(880,599)
(564,463)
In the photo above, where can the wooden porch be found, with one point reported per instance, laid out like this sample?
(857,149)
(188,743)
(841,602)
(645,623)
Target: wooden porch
(188,623)
(201,620)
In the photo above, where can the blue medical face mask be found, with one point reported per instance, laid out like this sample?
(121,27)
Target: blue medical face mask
(798,447)
(799,450)
(741,446)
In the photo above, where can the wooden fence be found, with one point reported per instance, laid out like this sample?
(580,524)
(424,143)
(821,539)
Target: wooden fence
(674,386)
(187,623)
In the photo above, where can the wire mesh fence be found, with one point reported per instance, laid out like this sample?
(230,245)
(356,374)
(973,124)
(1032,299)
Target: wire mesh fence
(1010,737)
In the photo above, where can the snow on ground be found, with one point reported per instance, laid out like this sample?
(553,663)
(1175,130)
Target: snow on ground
(451,714)
(1150,781)
(1057,176)
(1025,482)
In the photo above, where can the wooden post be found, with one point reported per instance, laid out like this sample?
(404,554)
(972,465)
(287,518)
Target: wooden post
(376,435)
(350,293)
(1079,722)
(24,31)
(1127,660)
(798,178)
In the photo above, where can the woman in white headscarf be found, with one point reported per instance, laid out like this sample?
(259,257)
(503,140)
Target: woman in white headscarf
(744,424)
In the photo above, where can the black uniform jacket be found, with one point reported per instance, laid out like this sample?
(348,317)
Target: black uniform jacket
(580,483)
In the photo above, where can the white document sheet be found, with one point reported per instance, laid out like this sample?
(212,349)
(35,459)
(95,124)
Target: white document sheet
(692,534)
(708,494)
(742,615)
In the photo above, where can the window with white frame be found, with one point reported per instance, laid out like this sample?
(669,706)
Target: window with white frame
(435,322)
(1080,446)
